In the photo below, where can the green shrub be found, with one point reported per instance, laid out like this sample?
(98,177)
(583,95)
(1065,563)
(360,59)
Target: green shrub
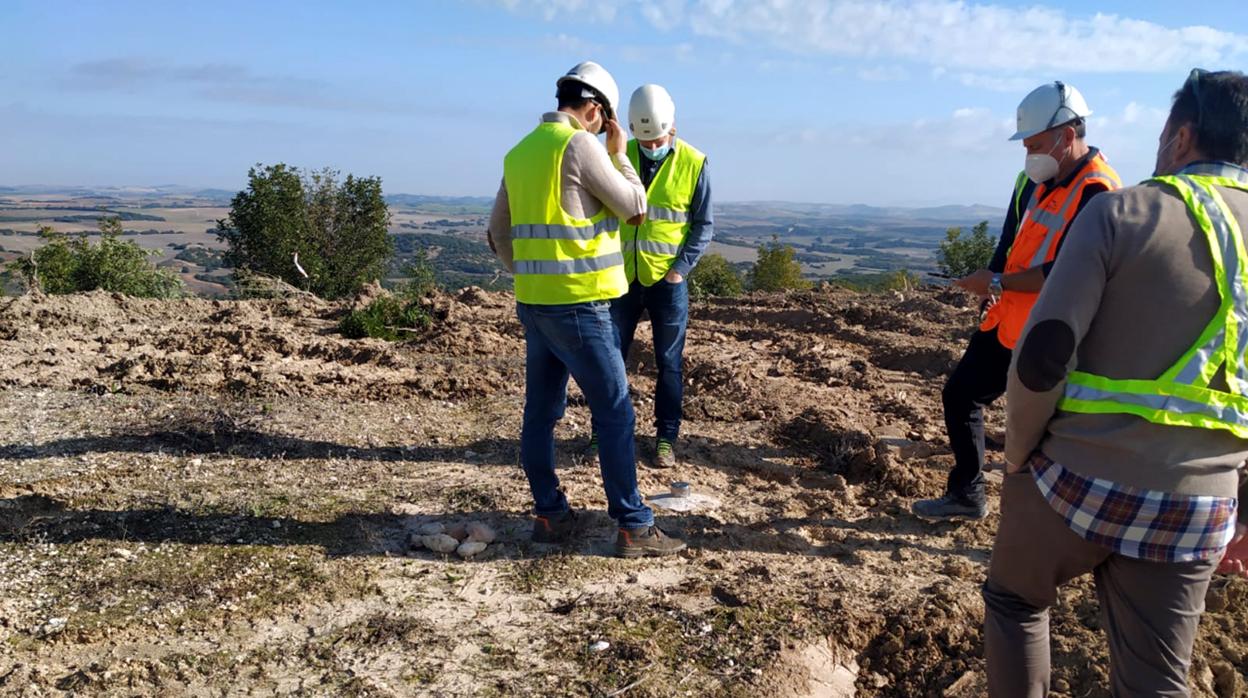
(395,316)
(714,276)
(73,264)
(776,269)
(388,317)
(960,256)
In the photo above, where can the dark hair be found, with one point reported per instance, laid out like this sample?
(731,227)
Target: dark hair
(569,95)
(1080,126)
(1216,106)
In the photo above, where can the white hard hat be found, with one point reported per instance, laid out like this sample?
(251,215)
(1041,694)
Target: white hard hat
(597,79)
(651,113)
(1049,106)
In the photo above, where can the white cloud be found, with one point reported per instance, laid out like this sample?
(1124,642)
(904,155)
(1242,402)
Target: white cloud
(883,73)
(978,38)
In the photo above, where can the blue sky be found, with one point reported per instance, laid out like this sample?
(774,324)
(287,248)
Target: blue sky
(843,102)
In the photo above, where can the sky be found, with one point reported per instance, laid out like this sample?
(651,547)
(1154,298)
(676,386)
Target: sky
(883,103)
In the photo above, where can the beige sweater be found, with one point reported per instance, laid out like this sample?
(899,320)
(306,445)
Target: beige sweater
(591,179)
(1134,289)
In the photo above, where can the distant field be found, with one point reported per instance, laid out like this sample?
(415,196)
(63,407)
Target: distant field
(733,253)
(829,241)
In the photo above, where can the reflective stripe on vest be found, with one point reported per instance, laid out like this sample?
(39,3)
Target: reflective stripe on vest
(650,249)
(1182,396)
(557,259)
(1039,234)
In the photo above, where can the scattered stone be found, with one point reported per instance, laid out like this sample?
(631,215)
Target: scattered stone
(470,549)
(431,528)
(457,531)
(480,532)
(52,627)
(123,553)
(599,646)
(440,543)
(196,462)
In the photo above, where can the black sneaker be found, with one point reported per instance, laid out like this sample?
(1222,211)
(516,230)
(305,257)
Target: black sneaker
(950,507)
(556,529)
(646,542)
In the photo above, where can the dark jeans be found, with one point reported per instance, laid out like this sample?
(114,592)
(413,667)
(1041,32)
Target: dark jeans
(978,380)
(582,340)
(668,306)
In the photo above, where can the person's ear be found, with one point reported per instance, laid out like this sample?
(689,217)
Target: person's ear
(1184,142)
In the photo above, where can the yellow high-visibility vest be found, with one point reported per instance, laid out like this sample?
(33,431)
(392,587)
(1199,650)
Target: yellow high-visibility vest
(558,259)
(1181,396)
(650,249)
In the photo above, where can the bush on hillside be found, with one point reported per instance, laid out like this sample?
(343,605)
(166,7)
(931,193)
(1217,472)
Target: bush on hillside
(960,256)
(777,269)
(338,229)
(396,316)
(714,276)
(73,264)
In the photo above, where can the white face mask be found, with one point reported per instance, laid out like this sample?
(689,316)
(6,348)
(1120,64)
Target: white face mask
(1158,170)
(1043,167)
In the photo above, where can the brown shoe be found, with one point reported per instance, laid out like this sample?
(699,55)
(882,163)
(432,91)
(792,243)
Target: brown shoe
(646,542)
(664,454)
(556,529)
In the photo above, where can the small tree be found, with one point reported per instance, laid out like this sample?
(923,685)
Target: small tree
(960,255)
(714,276)
(339,230)
(776,269)
(67,264)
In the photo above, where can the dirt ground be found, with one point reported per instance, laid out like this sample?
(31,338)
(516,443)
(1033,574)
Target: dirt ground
(214,498)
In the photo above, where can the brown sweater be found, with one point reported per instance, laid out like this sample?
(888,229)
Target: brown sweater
(1131,292)
(591,179)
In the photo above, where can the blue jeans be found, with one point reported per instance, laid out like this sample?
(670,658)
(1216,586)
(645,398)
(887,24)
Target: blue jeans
(668,305)
(579,339)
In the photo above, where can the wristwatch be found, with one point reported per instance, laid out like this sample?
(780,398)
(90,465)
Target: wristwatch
(994,286)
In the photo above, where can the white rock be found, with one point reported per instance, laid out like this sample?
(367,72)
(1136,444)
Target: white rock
(440,543)
(196,462)
(471,548)
(52,627)
(599,646)
(480,532)
(123,553)
(431,528)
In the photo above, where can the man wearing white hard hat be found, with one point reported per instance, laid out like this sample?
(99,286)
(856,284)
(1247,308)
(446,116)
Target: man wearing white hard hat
(556,227)
(1062,174)
(1127,416)
(660,253)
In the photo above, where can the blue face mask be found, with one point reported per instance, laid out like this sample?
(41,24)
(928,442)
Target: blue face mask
(658,153)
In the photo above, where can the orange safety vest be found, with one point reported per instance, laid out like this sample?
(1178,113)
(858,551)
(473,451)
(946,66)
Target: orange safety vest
(1036,242)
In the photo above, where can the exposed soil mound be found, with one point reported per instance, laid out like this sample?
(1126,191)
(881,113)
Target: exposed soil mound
(105,342)
(846,450)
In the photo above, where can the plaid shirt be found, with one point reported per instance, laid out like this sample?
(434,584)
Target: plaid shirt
(1137,523)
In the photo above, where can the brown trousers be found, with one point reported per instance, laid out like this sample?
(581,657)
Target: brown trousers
(1149,610)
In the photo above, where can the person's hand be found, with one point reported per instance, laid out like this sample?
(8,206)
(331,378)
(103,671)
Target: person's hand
(976,283)
(1235,559)
(673,277)
(617,140)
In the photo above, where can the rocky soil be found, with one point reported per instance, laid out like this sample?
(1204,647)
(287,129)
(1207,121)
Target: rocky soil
(215,498)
